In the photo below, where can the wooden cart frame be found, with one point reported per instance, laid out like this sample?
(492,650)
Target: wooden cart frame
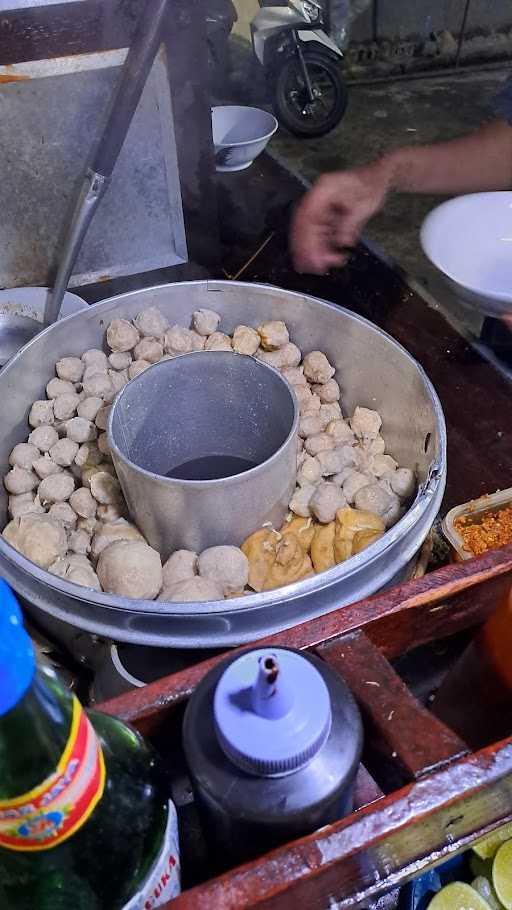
(451,797)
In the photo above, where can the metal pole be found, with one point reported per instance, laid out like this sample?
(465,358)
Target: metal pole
(462,33)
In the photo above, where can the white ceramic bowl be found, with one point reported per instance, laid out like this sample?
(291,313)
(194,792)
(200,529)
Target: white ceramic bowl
(469,239)
(239,135)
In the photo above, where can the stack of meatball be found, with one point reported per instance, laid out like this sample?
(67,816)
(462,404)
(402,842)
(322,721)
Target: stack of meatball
(68,514)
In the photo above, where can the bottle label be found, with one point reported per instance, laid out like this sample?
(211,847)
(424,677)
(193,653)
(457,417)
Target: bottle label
(58,807)
(163,882)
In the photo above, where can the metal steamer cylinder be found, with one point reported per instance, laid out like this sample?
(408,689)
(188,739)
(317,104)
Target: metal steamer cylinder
(373,370)
(227,422)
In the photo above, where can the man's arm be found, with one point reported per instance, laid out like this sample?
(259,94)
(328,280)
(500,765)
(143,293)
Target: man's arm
(332,215)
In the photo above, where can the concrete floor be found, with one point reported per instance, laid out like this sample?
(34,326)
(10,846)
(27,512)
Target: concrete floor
(380,117)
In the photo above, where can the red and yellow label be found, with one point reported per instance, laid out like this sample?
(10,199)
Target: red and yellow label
(53,811)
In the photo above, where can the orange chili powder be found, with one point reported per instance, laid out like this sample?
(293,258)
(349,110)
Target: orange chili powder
(493,530)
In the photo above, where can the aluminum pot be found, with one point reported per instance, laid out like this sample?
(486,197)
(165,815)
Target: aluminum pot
(374,371)
(205,448)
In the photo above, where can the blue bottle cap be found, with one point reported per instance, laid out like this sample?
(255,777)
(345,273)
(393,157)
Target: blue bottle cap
(272,712)
(17,661)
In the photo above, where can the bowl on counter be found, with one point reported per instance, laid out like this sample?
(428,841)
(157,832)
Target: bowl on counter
(239,135)
(469,239)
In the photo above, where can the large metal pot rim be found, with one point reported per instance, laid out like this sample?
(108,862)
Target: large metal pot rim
(272,598)
(224,481)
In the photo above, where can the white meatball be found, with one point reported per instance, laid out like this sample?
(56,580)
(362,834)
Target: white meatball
(227,566)
(327,391)
(45,466)
(178,340)
(19,480)
(366,423)
(329,412)
(205,322)
(382,464)
(43,438)
(56,387)
(151,322)
(317,368)
(182,564)
(273,335)
(294,375)
(354,482)
(149,349)
(79,541)
(340,431)
(95,358)
(121,335)
(325,502)
(130,568)
(102,417)
(24,504)
(305,398)
(192,590)
(111,532)
(77,569)
(335,460)
(218,342)
(402,482)
(63,452)
(309,471)
(300,500)
(105,488)
(374,498)
(118,378)
(137,367)
(103,445)
(120,360)
(38,538)
(89,407)
(41,414)
(70,369)
(62,511)
(287,356)
(23,456)
(65,406)
(88,454)
(320,443)
(98,385)
(83,502)
(245,340)
(310,424)
(56,488)
(80,430)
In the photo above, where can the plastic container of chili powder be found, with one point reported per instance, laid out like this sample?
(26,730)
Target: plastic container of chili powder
(474,513)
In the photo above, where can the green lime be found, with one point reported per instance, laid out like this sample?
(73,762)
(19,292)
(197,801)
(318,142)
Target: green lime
(458,896)
(489,846)
(486,890)
(502,874)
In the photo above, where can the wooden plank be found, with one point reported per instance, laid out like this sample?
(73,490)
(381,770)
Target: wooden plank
(376,848)
(65,29)
(414,602)
(400,727)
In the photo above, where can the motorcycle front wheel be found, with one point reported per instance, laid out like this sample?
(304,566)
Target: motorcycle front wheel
(292,106)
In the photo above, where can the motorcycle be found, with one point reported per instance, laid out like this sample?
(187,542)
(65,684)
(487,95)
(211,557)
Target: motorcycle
(303,65)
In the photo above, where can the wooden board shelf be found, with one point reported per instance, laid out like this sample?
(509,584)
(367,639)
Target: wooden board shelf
(447,795)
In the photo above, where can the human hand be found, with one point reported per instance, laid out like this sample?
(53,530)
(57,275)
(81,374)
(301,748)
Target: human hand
(331,216)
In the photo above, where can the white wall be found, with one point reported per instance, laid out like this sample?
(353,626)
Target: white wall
(246,9)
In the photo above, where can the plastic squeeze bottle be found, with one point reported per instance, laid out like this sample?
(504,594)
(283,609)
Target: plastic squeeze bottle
(273,741)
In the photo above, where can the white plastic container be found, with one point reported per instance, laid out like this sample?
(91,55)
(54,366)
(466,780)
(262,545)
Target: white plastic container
(477,508)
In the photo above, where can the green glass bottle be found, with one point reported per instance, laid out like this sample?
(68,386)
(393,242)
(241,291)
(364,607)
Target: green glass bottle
(85,820)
